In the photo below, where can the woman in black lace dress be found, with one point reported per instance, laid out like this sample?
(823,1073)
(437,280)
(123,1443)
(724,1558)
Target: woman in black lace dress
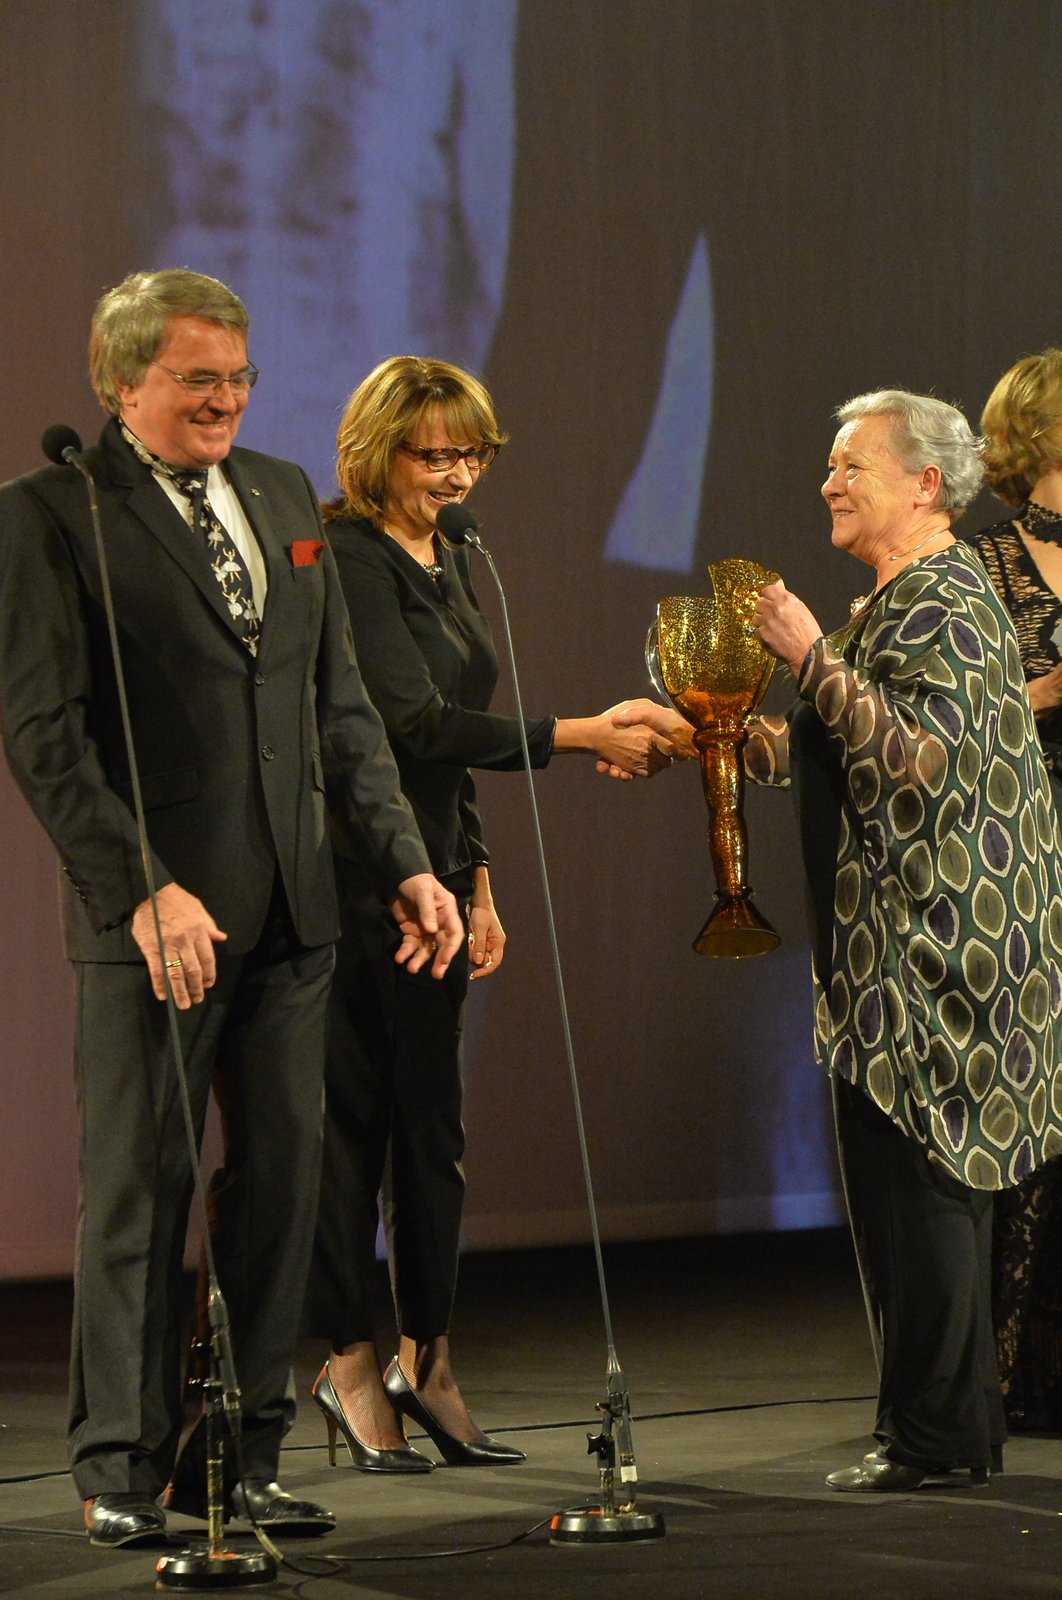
(1022,423)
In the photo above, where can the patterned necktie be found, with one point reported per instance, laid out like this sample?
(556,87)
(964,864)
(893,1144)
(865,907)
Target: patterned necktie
(229,567)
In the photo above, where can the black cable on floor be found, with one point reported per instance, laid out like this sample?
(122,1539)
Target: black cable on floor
(552,1427)
(330,1565)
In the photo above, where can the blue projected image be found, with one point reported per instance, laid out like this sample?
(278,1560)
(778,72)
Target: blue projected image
(347,165)
(656,523)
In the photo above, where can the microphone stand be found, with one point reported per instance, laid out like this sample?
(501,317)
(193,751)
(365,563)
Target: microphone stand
(215,1567)
(607,1523)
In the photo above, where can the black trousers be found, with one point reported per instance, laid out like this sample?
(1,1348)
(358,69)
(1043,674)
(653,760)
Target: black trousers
(393,1090)
(259,1035)
(924,1245)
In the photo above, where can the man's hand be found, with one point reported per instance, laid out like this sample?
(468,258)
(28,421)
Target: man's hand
(189,934)
(429,922)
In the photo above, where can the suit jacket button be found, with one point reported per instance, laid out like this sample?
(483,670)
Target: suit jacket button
(267,752)
(259,679)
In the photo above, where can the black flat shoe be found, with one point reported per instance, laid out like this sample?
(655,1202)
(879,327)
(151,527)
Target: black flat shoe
(455,1452)
(365,1457)
(113,1520)
(876,1474)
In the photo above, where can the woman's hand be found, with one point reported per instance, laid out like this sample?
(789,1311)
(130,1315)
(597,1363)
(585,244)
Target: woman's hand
(1045,693)
(486,936)
(632,751)
(674,734)
(784,625)
(629,744)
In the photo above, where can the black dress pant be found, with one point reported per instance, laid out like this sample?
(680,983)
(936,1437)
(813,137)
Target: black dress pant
(259,1035)
(393,1089)
(924,1245)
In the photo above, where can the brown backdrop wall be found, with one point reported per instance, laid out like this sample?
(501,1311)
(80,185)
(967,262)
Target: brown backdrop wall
(877,186)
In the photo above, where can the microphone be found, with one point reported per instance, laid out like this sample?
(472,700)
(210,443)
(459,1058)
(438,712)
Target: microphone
(60,443)
(458,524)
(608,1522)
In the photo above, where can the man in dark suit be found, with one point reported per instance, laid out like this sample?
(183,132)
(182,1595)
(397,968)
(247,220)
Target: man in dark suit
(246,707)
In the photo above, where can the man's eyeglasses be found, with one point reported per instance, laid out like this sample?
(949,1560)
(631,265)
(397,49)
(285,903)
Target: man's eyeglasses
(205,383)
(477,457)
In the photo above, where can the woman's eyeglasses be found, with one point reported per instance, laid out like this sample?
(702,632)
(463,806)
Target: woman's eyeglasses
(477,457)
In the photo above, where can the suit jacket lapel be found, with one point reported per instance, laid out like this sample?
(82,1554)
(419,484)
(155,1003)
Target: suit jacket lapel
(154,509)
(255,500)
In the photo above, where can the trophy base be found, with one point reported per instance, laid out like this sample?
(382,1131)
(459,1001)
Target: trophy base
(734,930)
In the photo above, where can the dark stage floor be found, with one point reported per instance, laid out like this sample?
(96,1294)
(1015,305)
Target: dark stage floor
(750,1377)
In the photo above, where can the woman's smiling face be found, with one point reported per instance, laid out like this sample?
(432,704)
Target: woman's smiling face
(415,491)
(870,493)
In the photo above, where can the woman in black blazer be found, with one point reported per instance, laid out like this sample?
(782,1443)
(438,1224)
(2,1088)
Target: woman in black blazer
(415,435)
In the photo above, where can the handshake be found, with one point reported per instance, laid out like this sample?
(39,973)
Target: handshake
(638,739)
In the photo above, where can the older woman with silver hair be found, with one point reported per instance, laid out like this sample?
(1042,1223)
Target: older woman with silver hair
(936,892)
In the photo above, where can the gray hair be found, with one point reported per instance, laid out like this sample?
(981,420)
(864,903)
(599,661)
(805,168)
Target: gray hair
(927,432)
(129,323)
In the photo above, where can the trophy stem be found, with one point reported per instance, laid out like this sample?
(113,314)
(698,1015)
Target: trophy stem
(735,928)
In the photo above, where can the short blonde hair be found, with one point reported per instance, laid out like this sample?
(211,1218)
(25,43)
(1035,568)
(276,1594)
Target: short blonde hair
(129,323)
(385,410)
(1022,422)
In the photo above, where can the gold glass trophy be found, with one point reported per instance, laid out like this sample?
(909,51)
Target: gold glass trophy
(714,670)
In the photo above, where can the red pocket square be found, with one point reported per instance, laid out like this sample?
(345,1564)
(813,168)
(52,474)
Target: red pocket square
(306,552)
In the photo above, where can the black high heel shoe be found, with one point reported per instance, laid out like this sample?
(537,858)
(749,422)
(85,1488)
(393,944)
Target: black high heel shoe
(455,1452)
(365,1457)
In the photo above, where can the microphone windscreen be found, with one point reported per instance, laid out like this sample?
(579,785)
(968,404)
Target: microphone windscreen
(455,522)
(58,438)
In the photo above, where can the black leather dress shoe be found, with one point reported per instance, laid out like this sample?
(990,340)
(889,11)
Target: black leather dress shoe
(876,1474)
(124,1519)
(278,1511)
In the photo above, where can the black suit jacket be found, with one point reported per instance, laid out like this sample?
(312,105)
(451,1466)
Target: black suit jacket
(234,752)
(429,665)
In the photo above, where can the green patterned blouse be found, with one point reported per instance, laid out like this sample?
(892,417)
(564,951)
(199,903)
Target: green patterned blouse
(943,997)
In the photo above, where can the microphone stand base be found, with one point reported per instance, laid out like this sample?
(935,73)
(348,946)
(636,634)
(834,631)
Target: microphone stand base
(597,1526)
(222,1569)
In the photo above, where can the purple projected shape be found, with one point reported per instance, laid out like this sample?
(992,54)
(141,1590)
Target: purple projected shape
(656,523)
(347,166)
